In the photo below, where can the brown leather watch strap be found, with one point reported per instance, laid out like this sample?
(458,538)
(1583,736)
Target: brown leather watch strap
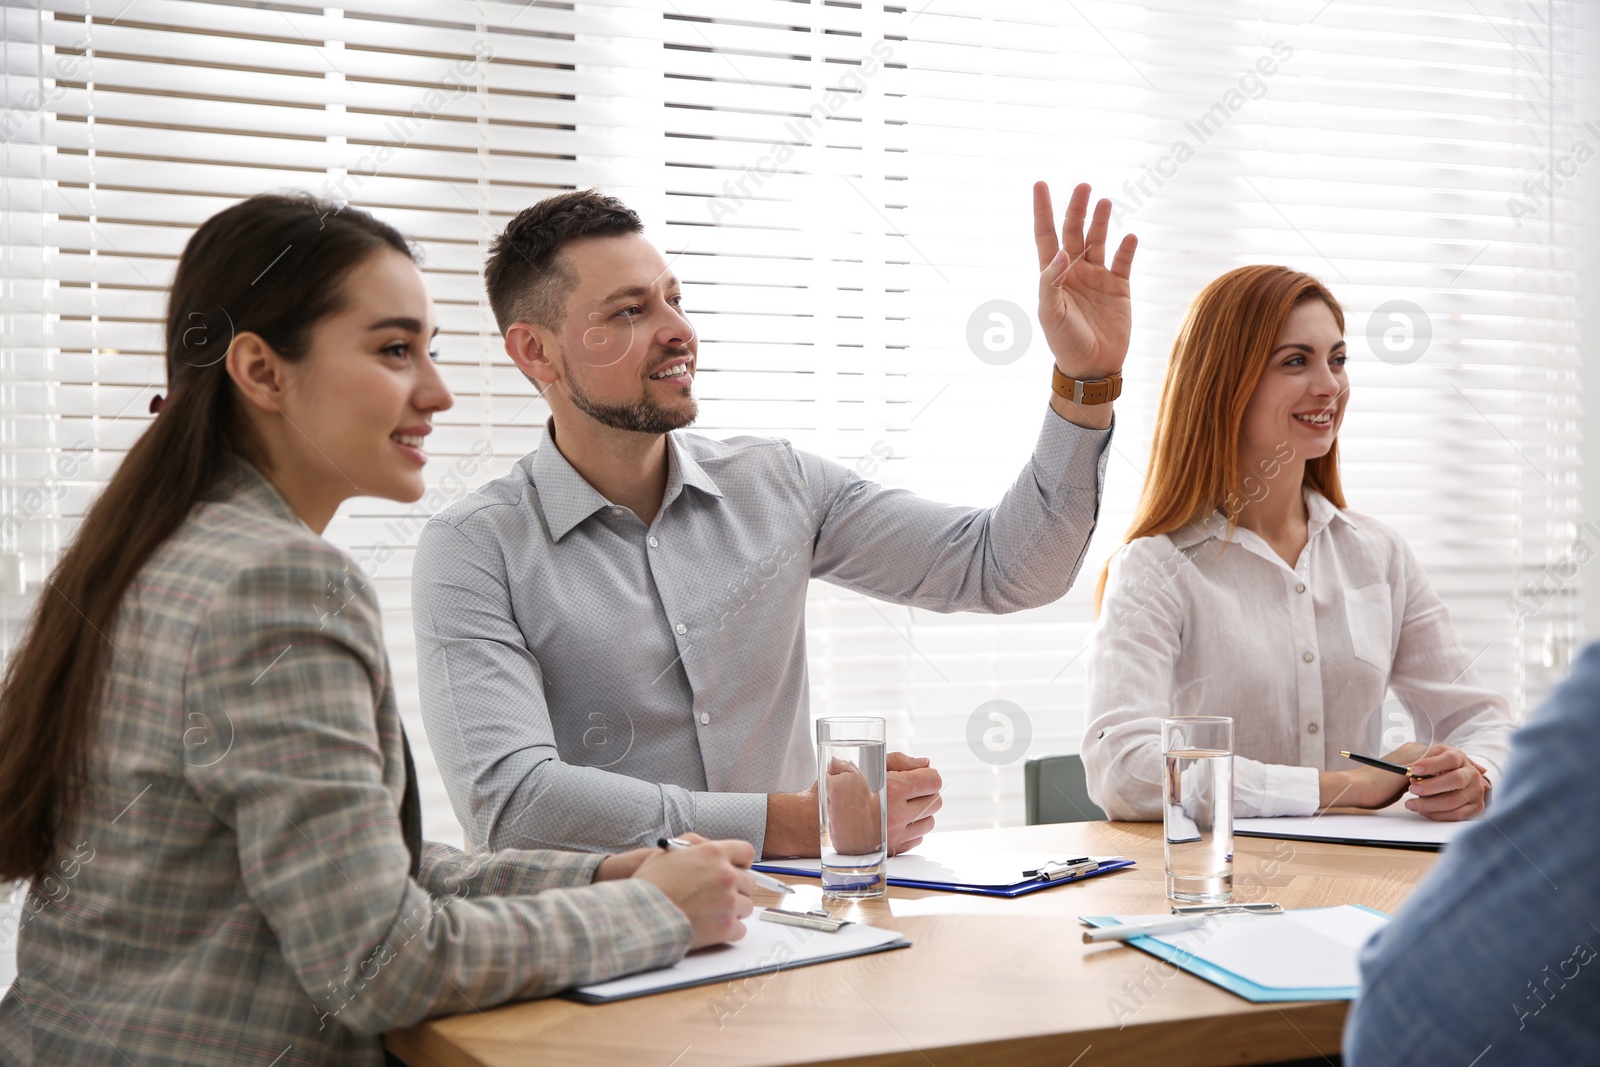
(1095,391)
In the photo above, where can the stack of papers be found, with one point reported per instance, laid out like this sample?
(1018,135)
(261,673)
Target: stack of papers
(766,948)
(1299,955)
(956,865)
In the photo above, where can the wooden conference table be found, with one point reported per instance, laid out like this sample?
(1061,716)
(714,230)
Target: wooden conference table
(986,981)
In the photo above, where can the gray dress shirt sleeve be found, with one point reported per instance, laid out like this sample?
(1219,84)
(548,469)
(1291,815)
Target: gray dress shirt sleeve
(484,705)
(1022,553)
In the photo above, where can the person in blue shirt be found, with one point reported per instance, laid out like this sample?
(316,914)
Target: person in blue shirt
(1495,959)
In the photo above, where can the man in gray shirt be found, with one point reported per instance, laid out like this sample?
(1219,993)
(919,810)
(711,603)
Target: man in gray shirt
(611,638)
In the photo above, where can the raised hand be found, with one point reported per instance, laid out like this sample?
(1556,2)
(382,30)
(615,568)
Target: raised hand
(1084,307)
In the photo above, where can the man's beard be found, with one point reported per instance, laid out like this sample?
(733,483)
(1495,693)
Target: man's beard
(641,416)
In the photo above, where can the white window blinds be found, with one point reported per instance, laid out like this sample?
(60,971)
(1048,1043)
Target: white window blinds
(843,188)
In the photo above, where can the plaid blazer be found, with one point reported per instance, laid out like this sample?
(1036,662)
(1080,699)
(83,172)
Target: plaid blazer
(236,888)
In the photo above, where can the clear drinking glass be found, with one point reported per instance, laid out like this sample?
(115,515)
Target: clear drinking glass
(1197,790)
(853,806)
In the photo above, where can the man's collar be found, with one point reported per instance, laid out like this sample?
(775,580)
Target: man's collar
(564,496)
(684,469)
(567,498)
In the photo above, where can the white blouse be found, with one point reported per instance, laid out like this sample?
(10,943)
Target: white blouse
(1300,657)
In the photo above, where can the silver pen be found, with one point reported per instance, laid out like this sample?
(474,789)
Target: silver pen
(764,881)
(1262,908)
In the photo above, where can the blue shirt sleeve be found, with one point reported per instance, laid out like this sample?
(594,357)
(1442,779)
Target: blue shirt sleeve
(1493,960)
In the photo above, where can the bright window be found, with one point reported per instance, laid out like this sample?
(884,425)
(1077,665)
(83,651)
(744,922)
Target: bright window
(844,190)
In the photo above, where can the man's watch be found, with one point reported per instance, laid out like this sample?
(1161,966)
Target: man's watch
(1091,392)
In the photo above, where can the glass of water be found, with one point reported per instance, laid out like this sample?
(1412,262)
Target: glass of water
(1197,789)
(853,806)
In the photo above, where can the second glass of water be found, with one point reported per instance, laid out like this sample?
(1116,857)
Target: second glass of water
(1197,788)
(853,806)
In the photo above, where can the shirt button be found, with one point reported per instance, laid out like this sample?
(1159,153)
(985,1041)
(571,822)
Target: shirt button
(1311,729)
(705,719)
(1309,655)
(616,511)
(653,541)
(681,628)
(1300,588)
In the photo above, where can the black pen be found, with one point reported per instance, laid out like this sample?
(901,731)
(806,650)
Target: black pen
(1382,765)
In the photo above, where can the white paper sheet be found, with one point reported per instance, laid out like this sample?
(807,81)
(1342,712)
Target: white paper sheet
(1394,825)
(1315,948)
(952,862)
(765,946)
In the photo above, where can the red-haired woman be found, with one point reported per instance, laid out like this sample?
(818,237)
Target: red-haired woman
(1247,589)
(202,770)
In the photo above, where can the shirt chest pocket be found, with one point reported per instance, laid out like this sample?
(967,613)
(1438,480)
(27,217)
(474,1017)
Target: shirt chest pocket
(1369,611)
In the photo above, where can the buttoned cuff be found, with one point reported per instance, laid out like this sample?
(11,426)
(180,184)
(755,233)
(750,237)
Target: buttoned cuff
(731,815)
(1267,790)
(1069,455)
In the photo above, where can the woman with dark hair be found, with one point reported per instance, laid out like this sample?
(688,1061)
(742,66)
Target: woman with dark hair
(202,770)
(1247,589)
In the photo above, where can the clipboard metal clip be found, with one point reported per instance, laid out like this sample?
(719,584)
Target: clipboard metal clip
(1052,872)
(815,919)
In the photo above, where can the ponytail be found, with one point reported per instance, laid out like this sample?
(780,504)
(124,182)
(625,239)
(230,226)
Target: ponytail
(271,265)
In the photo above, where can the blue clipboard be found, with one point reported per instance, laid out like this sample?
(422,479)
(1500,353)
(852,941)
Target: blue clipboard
(1243,987)
(1020,887)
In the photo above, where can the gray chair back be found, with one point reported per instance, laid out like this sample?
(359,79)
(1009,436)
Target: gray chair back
(1057,791)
